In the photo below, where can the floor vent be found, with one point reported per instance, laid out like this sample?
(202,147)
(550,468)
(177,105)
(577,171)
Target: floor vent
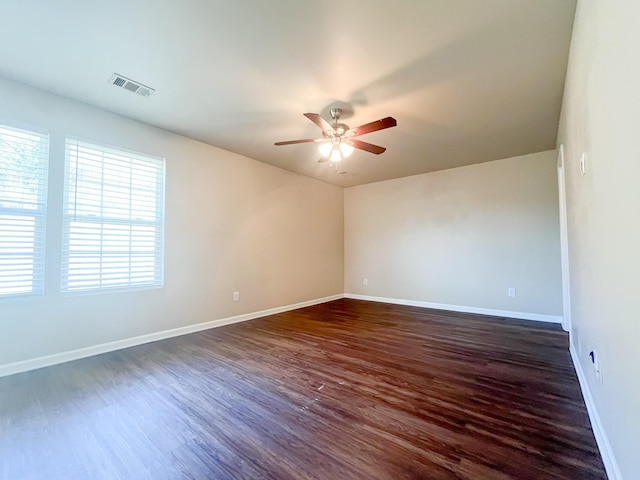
(131,85)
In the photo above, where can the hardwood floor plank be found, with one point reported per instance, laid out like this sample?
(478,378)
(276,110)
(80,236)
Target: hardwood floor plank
(347,389)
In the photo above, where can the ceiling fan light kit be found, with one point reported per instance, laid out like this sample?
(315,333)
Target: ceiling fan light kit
(338,140)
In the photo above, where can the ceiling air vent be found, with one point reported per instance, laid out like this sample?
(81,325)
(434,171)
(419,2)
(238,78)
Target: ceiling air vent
(131,85)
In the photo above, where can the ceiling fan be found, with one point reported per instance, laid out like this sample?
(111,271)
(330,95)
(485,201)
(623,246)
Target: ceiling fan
(338,140)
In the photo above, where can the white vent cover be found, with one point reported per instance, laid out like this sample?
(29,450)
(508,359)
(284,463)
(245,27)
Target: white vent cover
(131,85)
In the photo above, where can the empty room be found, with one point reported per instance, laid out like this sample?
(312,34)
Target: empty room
(298,240)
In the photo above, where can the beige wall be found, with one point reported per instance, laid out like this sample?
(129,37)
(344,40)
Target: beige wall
(601,116)
(460,237)
(231,224)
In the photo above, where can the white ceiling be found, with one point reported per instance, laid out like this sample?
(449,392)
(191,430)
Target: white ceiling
(467,80)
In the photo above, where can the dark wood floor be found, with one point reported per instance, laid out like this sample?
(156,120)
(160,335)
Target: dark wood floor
(344,390)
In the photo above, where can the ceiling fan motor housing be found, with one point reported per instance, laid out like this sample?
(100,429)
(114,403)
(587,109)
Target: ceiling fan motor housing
(340,129)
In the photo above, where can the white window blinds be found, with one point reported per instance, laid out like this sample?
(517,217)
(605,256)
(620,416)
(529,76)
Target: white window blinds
(24,157)
(113,219)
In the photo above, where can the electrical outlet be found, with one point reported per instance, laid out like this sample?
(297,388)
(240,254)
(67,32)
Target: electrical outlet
(236,296)
(595,361)
(365,281)
(511,292)
(583,164)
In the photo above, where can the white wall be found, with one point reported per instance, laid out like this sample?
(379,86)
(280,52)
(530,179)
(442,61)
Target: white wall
(460,237)
(601,116)
(232,223)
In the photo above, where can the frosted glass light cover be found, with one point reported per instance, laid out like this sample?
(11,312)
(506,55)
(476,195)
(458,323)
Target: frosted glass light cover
(346,149)
(325,149)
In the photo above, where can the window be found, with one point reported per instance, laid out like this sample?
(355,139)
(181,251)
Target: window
(24,158)
(113,219)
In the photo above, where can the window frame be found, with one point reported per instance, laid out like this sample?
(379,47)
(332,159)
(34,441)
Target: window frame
(69,216)
(39,214)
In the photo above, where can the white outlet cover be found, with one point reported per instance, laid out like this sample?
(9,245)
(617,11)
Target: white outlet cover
(583,164)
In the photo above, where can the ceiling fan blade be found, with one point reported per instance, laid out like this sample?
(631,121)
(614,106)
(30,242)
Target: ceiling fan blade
(373,126)
(292,142)
(367,147)
(323,159)
(321,122)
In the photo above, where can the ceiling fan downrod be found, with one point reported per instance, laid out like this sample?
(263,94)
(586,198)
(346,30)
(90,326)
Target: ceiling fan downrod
(339,129)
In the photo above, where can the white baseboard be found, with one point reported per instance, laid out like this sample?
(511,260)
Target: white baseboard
(457,308)
(609,460)
(49,360)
